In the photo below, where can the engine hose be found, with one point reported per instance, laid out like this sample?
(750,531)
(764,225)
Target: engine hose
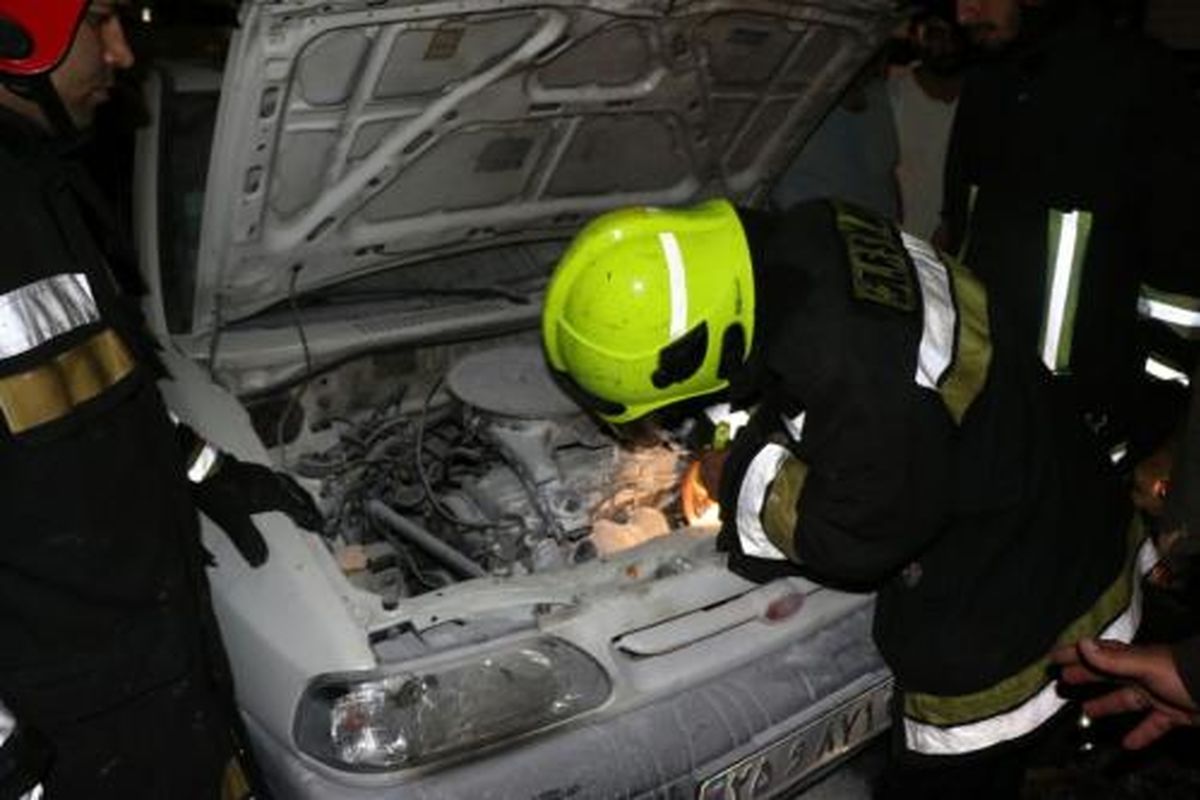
(419,536)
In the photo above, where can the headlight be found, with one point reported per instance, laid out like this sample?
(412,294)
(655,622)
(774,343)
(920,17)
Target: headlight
(390,721)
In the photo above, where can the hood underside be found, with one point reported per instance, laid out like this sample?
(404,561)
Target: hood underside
(358,136)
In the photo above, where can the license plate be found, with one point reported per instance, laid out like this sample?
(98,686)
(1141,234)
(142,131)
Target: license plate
(781,765)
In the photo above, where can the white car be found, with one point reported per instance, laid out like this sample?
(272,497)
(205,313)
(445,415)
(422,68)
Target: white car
(347,246)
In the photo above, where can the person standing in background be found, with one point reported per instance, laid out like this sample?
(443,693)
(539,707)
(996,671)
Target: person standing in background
(923,97)
(1071,191)
(852,154)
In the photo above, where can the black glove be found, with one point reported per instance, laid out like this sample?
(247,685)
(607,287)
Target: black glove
(25,758)
(237,489)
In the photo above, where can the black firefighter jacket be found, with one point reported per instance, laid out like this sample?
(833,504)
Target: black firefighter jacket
(102,596)
(1071,192)
(904,442)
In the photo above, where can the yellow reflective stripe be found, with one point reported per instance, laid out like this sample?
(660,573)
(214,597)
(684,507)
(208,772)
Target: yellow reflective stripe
(965,379)
(972,197)
(781,508)
(752,496)
(234,784)
(51,391)
(1015,690)
(1068,234)
(935,740)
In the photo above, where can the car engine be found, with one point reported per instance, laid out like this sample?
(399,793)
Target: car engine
(491,471)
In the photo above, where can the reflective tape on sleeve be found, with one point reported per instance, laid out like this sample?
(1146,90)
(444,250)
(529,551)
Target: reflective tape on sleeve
(1159,368)
(7,724)
(954,354)
(38,312)
(56,388)
(940,322)
(794,425)
(752,497)
(1174,309)
(781,508)
(203,463)
(1068,234)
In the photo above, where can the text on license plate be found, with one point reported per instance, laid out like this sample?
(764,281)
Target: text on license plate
(784,763)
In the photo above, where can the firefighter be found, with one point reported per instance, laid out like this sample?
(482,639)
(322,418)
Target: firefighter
(1158,682)
(900,441)
(1070,190)
(112,679)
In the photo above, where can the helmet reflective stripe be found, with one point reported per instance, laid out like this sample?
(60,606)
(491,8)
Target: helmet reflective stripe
(1066,251)
(678,283)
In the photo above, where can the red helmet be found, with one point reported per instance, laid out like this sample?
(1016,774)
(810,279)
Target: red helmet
(36,34)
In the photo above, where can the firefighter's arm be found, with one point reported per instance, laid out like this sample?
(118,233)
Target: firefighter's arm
(24,758)
(230,491)
(1164,170)
(951,232)
(1162,173)
(845,498)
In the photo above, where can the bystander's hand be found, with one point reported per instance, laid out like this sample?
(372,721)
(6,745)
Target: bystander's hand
(1148,682)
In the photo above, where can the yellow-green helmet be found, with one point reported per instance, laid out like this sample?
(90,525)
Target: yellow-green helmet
(650,306)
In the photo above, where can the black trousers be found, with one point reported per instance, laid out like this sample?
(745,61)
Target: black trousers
(997,773)
(172,743)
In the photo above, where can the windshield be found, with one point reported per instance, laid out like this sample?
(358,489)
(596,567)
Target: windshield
(188,119)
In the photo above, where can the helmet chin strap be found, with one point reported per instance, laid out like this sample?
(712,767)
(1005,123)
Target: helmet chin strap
(40,90)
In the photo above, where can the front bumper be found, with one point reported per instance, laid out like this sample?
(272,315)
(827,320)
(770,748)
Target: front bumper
(666,747)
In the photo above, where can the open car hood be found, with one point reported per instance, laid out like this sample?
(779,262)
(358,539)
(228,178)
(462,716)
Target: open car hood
(359,135)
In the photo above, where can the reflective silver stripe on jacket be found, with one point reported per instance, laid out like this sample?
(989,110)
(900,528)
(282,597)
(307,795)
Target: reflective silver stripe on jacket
(1174,309)
(203,463)
(794,426)
(7,724)
(940,316)
(935,740)
(38,312)
(1068,238)
(1158,367)
(752,494)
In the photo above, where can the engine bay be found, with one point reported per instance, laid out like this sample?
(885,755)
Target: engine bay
(428,477)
